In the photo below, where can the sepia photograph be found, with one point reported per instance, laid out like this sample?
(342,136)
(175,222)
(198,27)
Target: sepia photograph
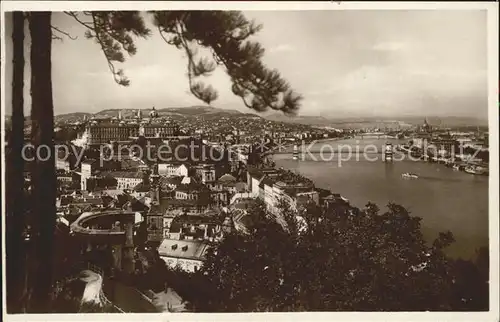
(181,158)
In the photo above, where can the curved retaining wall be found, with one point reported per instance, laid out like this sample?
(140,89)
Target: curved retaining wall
(78,227)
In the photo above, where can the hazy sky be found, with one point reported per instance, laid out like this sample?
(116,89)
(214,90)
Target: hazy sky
(345,63)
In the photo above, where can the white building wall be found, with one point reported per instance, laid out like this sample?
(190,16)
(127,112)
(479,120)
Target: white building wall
(255,186)
(127,183)
(269,198)
(182,170)
(188,265)
(165,169)
(62,165)
(86,174)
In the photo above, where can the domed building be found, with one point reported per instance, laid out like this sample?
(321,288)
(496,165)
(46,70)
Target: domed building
(426,127)
(154,113)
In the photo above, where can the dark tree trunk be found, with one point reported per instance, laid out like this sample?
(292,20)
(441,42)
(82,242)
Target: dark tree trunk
(15,177)
(43,176)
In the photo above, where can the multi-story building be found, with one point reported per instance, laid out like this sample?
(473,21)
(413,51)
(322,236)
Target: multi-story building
(206,174)
(192,191)
(445,146)
(87,172)
(98,134)
(127,180)
(63,165)
(193,227)
(189,255)
(65,158)
(274,186)
(422,140)
(160,130)
(170,183)
(64,178)
(173,169)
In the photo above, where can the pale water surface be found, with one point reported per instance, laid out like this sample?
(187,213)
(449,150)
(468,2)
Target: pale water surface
(444,198)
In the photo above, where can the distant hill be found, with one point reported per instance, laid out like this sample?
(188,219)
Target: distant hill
(307,120)
(199,110)
(353,122)
(206,112)
(71,117)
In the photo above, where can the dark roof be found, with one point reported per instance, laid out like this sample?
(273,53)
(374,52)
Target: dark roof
(113,125)
(254,173)
(244,203)
(192,187)
(141,187)
(266,181)
(170,180)
(196,219)
(183,203)
(126,174)
(166,204)
(89,161)
(66,200)
(227,178)
(183,249)
(195,152)
(138,205)
(155,125)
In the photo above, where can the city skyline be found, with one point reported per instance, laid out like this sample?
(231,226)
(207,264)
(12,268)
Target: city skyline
(384,63)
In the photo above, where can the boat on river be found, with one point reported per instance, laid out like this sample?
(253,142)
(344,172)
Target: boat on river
(476,170)
(409,175)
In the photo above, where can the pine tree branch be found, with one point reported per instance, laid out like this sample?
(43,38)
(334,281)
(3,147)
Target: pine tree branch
(116,76)
(88,25)
(61,32)
(197,92)
(112,31)
(226,34)
(190,61)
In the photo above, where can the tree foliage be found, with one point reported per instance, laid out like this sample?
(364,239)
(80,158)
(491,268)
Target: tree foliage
(353,261)
(226,34)
(114,32)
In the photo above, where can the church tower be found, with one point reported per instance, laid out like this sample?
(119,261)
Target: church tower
(153,114)
(426,127)
(155,186)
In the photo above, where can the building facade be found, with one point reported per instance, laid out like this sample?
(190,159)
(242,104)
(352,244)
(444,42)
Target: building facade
(127,180)
(170,170)
(98,134)
(86,173)
(188,255)
(161,130)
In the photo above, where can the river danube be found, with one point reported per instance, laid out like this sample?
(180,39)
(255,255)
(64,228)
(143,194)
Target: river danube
(445,199)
